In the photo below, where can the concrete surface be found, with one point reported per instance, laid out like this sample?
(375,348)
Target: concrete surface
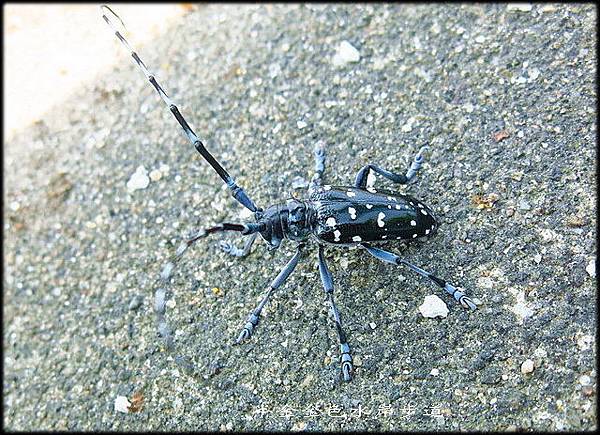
(504,95)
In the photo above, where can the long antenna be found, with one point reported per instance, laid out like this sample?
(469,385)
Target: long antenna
(238,193)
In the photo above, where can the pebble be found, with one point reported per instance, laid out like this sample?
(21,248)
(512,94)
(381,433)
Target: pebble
(122,404)
(155,175)
(519,7)
(527,366)
(591,268)
(585,380)
(533,73)
(434,372)
(524,205)
(301,124)
(345,53)
(585,342)
(139,179)
(433,306)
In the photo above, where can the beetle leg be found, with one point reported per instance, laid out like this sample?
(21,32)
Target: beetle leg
(233,250)
(252,319)
(363,174)
(317,178)
(458,295)
(346,358)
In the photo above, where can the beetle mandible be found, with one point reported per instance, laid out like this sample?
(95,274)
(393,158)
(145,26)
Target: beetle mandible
(356,215)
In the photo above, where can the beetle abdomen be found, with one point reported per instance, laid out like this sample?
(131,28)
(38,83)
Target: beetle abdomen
(352,215)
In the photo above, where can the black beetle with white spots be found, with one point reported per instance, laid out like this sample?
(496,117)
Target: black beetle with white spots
(357,215)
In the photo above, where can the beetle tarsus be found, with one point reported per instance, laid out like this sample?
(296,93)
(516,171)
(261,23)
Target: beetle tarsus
(347,367)
(467,302)
(244,335)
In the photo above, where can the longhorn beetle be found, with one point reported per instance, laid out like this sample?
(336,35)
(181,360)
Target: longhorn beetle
(355,215)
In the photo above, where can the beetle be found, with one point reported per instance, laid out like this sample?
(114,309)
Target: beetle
(357,215)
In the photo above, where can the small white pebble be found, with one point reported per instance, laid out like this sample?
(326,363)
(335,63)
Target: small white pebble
(372,325)
(527,366)
(371,178)
(434,372)
(122,404)
(433,306)
(533,73)
(585,380)
(139,179)
(331,222)
(155,175)
(345,53)
(301,124)
(519,7)
(591,268)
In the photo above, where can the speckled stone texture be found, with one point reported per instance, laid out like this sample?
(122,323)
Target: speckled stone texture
(506,99)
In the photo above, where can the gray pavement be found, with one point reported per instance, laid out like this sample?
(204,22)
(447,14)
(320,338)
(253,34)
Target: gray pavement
(506,99)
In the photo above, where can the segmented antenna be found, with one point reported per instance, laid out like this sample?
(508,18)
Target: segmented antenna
(238,193)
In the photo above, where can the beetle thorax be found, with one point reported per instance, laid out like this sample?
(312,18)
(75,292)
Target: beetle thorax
(300,220)
(293,220)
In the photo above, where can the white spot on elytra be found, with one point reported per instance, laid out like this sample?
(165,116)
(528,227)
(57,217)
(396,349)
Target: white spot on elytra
(350,194)
(370,189)
(352,212)
(384,236)
(427,232)
(398,206)
(369,206)
(331,222)
(391,198)
(398,238)
(327,187)
(356,239)
(337,235)
(390,207)
(424,212)
(380,217)
(413,223)
(420,205)
(414,236)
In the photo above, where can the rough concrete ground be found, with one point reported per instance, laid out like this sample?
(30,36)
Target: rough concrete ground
(518,226)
